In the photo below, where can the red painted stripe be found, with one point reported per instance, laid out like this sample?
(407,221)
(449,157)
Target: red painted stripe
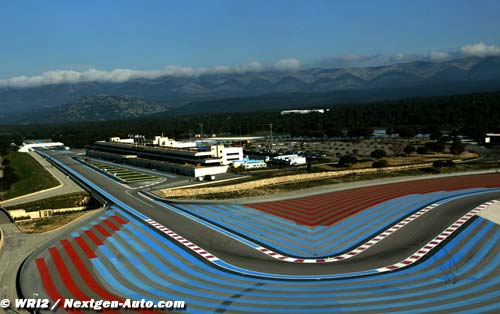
(66,278)
(103,231)
(93,237)
(87,276)
(84,246)
(329,208)
(119,220)
(85,273)
(48,284)
(110,224)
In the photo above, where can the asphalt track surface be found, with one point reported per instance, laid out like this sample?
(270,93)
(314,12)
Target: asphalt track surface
(123,247)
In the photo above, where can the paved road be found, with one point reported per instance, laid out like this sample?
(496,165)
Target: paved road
(137,261)
(68,186)
(334,187)
(134,261)
(392,250)
(17,246)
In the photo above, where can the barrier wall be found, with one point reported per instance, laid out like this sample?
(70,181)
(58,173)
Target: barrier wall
(284,179)
(43,213)
(186,170)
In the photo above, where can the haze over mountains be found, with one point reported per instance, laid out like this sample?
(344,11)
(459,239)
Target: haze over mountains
(176,93)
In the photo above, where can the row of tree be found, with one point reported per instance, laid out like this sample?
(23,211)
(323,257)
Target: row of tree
(472,115)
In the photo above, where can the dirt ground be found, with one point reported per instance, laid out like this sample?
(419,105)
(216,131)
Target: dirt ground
(50,223)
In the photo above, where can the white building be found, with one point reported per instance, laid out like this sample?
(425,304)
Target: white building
(169,142)
(29,145)
(492,138)
(247,163)
(291,160)
(227,154)
(254,165)
(121,140)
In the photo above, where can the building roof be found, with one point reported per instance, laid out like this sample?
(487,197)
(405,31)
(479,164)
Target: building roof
(237,138)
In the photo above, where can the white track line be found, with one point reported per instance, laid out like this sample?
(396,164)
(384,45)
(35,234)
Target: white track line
(408,261)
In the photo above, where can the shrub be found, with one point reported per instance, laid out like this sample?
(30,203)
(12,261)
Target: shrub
(443,163)
(380,164)
(409,149)
(347,160)
(378,153)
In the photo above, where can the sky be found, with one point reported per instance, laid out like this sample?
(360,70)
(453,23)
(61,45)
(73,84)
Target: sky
(56,40)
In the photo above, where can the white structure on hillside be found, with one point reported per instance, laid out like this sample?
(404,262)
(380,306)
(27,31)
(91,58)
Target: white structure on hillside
(303,111)
(30,145)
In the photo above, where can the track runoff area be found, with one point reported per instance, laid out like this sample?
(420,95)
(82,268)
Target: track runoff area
(315,254)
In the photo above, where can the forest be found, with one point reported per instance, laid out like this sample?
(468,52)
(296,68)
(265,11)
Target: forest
(471,114)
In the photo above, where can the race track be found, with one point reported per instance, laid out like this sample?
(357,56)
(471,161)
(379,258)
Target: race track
(415,249)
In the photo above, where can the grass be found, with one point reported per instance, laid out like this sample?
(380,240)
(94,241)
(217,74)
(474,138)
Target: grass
(61,201)
(24,175)
(49,223)
(124,174)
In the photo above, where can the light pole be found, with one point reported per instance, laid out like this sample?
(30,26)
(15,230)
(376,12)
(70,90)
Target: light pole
(271,129)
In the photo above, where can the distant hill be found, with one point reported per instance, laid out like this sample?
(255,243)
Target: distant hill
(91,108)
(105,108)
(176,91)
(321,100)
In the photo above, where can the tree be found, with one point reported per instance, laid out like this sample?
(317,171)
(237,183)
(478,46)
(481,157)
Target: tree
(397,147)
(409,149)
(443,163)
(347,160)
(406,132)
(457,147)
(380,164)
(360,132)
(436,134)
(422,150)
(378,153)
(437,147)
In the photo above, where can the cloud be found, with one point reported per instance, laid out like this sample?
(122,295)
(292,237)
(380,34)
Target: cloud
(350,60)
(440,56)
(123,75)
(253,66)
(405,57)
(94,75)
(473,50)
(480,50)
(290,64)
(434,56)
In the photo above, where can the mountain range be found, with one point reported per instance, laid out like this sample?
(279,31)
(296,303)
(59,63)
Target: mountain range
(176,94)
